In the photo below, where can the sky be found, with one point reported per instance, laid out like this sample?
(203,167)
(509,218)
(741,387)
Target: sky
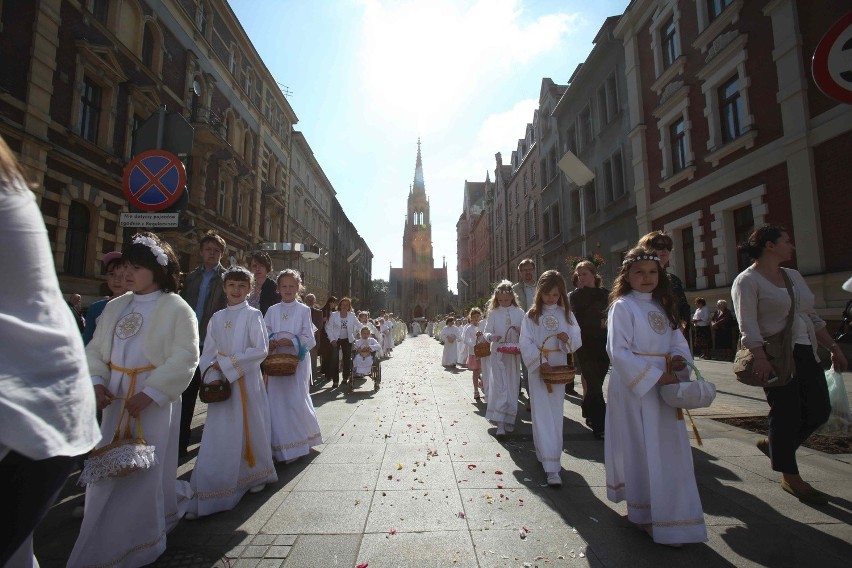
(367,78)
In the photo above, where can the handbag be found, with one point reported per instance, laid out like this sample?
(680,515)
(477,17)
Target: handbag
(218,390)
(779,351)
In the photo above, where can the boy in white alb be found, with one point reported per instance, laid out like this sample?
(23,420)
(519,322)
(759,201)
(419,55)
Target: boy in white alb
(235,454)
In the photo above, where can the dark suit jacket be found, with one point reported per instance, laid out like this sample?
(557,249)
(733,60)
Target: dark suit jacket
(316,319)
(215,296)
(268,295)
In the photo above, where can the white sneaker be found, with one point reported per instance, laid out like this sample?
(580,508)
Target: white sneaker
(257,488)
(190,516)
(500,431)
(554,480)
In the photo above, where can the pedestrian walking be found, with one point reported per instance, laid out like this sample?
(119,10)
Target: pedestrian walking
(235,456)
(647,455)
(326,353)
(548,334)
(471,335)
(141,359)
(341,329)
(449,335)
(502,330)
(264,292)
(295,428)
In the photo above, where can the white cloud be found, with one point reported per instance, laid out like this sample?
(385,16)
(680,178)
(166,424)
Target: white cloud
(422,62)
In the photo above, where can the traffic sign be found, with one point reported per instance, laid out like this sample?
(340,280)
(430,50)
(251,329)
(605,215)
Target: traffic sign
(149,220)
(153,180)
(832,61)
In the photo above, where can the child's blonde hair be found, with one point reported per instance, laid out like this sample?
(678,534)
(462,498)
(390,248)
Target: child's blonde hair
(476,311)
(504,287)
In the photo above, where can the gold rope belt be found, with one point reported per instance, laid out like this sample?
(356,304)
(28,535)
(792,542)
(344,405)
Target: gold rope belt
(132,373)
(249,455)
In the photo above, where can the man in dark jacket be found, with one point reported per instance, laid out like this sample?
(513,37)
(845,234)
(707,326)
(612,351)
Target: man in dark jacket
(204,293)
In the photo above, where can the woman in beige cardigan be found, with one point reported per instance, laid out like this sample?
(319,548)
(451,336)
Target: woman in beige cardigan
(762,305)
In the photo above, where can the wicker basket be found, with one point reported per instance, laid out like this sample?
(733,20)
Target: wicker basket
(119,458)
(557,374)
(282,364)
(214,391)
(482,349)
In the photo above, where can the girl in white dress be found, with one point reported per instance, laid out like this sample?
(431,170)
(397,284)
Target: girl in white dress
(471,334)
(142,356)
(295,428)
(449,335)
(235,454)
(647,453)
(502,329)
(548,333)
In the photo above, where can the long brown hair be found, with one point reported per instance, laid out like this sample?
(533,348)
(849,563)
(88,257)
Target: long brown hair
(662,293)
(549,280)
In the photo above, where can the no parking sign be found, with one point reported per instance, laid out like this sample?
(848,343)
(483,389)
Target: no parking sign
(832,61)
(154,180)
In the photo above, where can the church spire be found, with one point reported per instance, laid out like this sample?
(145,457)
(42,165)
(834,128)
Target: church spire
(419,185)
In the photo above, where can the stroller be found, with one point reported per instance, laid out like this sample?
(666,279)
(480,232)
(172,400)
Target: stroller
(375,372)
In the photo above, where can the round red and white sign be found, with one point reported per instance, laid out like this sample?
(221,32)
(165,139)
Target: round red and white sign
(832,61)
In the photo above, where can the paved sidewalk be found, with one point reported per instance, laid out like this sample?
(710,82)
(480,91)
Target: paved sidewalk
(411,475)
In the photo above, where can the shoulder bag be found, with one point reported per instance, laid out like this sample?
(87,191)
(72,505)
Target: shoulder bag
(779,351)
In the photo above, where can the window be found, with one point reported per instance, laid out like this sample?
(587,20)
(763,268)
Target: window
(517,234)
(247,80)
(743,226)
(555,219)
(730,109)
(201,18)
(670,43)
(590,195)
(532,175)
(526,183)
(532,222)
(689,272)
(618,188)
(571,140)
(575,207)
(585,128)
(137,122)
(608,183)
(545,222)
(677,144)
(716,7)
(90,110)
(99,9)
(148,47)
(612,96)
(233,61)
(76,239)
(238,210)
(543,166)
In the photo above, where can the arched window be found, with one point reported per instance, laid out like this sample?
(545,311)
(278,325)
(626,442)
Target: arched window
(128,25)
(249,148)
(148,47)
(76,239)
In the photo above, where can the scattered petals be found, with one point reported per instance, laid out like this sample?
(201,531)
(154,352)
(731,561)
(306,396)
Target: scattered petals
(392,531)
(399,466)
(471,466)
(522,533)
(498,472)
(363,565)
(461,514)
(498,454)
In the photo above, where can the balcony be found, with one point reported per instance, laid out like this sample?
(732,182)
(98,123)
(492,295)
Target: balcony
(210,128)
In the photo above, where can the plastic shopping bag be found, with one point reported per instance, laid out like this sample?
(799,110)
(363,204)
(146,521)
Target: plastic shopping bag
(839,422)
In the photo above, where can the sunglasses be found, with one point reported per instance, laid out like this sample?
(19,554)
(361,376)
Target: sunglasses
(662,246)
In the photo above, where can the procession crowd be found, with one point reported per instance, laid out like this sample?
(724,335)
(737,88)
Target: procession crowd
(248,345)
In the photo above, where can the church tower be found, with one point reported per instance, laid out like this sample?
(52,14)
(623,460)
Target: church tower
(418,290)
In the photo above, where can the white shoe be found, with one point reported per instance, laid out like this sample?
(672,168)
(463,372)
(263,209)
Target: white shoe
(500,431)
(190,516)
(257,488)
(554,480)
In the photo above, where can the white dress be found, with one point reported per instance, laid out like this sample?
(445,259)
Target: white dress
(547,407)
(647,453)
(449,335)
(462,346)
(363,365)
(415,329)
(295,428)
(236,339)
(387,336)
(127,518)
(504,369)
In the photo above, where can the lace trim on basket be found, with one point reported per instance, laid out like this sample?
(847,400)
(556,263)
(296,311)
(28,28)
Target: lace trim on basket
(112,462)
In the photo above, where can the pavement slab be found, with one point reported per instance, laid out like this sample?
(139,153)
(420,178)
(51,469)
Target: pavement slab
(412,475)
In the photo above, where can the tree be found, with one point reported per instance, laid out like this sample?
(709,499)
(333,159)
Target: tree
(379,294)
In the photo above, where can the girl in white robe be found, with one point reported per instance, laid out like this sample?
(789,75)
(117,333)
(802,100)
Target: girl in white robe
(502,329)
(449,335)
(235,454)
(295,428)
(548,333)
(462,346)
(142,356)
(386,329)
(471,334)
(647,454)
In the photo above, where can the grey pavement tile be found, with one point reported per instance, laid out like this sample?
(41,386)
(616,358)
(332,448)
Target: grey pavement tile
(254,551)
(353,477)
(417,550)
(278,552)
(629,546)
(481,451)
(351,453)
(506,549)
(326,551)
(733,469)
(263,539)
(488,474)
(245,563)
(416,511)
(320,512)
(763,545)
(285,539)
(486,508)
(270,563)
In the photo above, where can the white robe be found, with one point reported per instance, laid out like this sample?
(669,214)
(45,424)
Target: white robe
(387,336)
(504,376)
(547,407)
(462,346)
(127,518)
(450,354)
(295,428)
(363,365)
(415,329)
(237,340)
(647,453)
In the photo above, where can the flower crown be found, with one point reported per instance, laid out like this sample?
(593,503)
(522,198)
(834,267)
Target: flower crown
(235,269)
(596,259)
(639,257)
(154,246)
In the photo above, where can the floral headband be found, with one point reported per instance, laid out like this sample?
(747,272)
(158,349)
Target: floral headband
(238,270)
(639,257)
(155,248)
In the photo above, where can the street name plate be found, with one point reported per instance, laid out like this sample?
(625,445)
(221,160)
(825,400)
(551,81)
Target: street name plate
(149,220)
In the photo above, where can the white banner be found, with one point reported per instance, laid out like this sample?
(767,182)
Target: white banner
(149,220)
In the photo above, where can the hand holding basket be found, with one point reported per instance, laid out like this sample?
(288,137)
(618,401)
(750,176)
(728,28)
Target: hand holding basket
(214,391)
(283,364)
(481,348)
(555,374)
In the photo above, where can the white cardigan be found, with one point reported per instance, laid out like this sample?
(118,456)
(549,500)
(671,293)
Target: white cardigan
(332,327)
(170,343)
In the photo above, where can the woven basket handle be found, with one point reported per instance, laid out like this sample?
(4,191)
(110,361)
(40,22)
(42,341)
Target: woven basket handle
(298,341)
(542,350)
